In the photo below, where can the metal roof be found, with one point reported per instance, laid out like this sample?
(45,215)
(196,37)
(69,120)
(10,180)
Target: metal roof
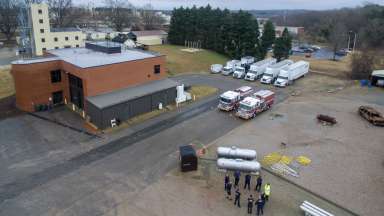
(378,73)
(119,96)
(35,60)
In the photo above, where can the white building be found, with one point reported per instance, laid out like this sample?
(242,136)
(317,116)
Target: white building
(152,37)
(46,38)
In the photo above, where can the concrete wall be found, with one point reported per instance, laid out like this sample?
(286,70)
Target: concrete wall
(33,81)
(49,36)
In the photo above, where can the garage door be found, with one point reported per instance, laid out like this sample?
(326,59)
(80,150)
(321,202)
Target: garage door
(140,105)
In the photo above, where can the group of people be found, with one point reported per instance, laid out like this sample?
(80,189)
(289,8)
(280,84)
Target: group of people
(262,197)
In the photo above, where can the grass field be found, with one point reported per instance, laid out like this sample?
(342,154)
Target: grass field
(183,62)
(6,83)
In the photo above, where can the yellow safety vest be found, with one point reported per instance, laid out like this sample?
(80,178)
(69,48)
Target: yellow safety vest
(267,190)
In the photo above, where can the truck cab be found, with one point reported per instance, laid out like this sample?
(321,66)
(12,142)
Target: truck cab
(283,79)
(230,67)
(227,70)
(229,100)
(268,77)
(239,72)
(254,73)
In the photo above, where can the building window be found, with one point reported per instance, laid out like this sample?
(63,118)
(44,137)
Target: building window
(41,21)
(157,69)
(77,45)
(57,97)
(43,40)
(55,76)
(76,37)
(44,49)
(66,38)
(68,46)
(40,11)
(41,30)
(55,39)
(56,47)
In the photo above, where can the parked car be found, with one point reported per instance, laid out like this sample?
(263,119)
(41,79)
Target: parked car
(371,115)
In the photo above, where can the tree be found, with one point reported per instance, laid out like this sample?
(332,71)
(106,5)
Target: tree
(361,65)
(283,46)
(150,19)
(287,39)
(8,17)
(120,14)
(268,38)
(59,11)
(337,37)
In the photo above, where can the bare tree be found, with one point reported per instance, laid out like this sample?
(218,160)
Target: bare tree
(120,13)
(8,17)
(150,19)
(60,10)
(337,36)
(362,64)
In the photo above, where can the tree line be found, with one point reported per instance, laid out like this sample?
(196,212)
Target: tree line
(234,34)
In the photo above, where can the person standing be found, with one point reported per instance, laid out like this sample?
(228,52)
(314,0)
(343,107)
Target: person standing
(267,191)
(247,182)
(229,189)
(250,204)
(237,177)
(226,181)
(259,182)
(237,198)
(260,206)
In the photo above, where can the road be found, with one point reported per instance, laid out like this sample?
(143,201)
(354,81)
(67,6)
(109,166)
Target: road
(80,186)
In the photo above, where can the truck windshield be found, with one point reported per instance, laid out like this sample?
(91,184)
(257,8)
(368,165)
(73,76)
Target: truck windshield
(225,100)
(240,69)
(245,107)
(267,75)
(282,77)
(226,69)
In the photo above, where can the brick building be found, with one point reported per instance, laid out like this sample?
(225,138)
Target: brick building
(98,74)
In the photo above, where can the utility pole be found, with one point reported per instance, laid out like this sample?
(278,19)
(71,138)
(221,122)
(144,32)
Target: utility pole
(354,42)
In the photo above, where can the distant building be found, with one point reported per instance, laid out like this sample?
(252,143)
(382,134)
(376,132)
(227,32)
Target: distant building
(292,30)
(95,34)
(103,81)
(167,18)
(46,38)
(153,37)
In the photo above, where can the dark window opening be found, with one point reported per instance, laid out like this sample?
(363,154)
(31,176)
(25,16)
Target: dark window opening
(43,40)
(40,11)
(76,90)
(44,49)
(66,38)
(55,76)
(77,45)
(56,39)
(57,97)
(77,38)
(68,46)
(157,69)
(40,20)
(41,30)
(56,47)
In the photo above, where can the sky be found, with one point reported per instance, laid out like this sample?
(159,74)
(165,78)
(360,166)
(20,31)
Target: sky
(248,4)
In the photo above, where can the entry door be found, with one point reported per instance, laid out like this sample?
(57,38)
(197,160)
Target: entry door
(57,97)
(76,90)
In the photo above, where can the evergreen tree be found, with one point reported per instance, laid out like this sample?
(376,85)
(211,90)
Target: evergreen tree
(268,38)
(287,42)
(279,49)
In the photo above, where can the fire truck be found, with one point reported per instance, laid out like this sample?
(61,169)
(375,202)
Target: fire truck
(249,107)
(244,91)
(229,101)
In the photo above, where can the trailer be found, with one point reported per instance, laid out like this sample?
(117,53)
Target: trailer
(257,69)
(288,75)
(261,101)
(246,61)
(229,101)
(273,71)
(230,67)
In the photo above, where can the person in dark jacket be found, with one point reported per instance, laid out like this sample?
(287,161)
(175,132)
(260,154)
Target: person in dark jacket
(250,204)
(237,197)
(237,177)
(229,189)
(259,182)
(260,206)
(247,182)
(226,180)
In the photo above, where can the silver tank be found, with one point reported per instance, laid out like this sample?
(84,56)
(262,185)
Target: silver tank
(238,164)
(233,152)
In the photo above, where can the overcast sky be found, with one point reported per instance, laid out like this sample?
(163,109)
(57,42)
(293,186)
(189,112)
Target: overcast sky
(249,4)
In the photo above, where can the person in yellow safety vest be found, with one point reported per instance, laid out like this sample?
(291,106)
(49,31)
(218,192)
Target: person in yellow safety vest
(267,191)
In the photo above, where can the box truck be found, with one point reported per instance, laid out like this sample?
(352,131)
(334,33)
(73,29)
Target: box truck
(257,69)
(273,71)
(230,67)
(249,107)
(291,73)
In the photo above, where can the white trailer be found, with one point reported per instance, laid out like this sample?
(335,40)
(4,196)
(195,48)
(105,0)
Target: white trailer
(294,71)
(230,67)
(247,60)
(257,69)
(273,71)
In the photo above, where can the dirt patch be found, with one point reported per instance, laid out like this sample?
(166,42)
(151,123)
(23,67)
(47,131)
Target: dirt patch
(8,107)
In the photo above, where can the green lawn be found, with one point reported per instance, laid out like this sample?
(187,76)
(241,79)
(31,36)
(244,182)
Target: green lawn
(183,62)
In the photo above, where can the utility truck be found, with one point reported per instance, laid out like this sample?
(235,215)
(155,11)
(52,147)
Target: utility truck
(230,67)
(257,69)
(229,101)
(249,107)
(273,71)
(294,71)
